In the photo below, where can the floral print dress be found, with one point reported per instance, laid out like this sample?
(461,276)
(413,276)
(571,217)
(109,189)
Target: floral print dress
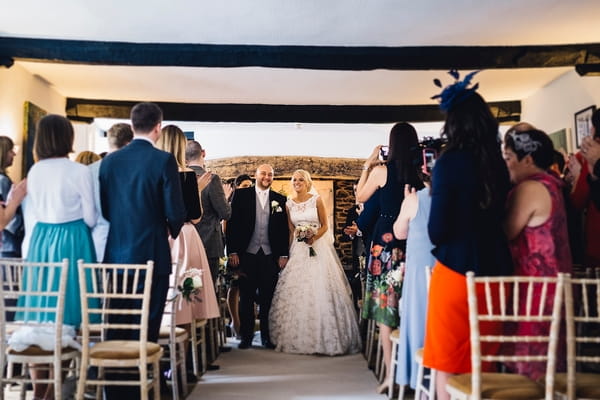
(384,276)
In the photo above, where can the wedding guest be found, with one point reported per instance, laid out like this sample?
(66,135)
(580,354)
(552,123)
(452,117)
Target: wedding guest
(233,293)
(214,208)
(87,157)
(469,187)
(312,310)
(411,225)
(383,287)
(591,150)
(60,204)
(351,233)
(12,235)
(536,226)
(257,245)
(141,198)
(118,135)
(187,248)
(582,179)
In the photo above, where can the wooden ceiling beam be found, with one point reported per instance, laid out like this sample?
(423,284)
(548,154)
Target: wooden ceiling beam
(87,109)
(357,58)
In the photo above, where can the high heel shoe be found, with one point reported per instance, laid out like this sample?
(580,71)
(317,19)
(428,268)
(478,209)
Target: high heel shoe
(384,387)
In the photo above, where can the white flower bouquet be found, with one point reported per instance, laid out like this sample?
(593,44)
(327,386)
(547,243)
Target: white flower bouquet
(395,276)
(303,233)
(191,284)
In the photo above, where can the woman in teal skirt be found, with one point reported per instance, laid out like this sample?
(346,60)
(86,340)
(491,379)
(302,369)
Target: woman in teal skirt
(60,207)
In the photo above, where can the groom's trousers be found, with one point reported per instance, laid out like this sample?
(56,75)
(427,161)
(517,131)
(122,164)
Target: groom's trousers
(258,278)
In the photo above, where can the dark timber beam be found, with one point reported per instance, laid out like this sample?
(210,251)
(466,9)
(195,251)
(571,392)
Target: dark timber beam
(85,110)
(306,57)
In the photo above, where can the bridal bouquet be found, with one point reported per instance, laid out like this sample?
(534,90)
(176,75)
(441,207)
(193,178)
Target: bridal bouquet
(303,232)
(191,284)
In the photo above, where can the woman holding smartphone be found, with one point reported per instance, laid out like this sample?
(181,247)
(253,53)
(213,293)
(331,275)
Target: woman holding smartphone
(384,280)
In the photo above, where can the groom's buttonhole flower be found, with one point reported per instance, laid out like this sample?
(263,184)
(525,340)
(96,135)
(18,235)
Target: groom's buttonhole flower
(275,207)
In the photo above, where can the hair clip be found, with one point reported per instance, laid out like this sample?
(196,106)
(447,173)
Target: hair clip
(524,143)
(456,92)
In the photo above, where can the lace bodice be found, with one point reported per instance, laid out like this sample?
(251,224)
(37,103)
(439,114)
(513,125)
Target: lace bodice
(305,212)
(312,310)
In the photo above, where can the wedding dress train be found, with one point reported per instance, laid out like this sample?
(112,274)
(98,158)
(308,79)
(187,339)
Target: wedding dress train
(312,310)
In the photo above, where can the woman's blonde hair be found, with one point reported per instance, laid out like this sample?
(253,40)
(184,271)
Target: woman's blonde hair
(87,157)
(306,177)
(173,140)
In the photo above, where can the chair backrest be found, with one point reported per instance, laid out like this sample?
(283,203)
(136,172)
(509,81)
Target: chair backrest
(582,303)
(102,286)
(174,300)
(32,294)
(514,299)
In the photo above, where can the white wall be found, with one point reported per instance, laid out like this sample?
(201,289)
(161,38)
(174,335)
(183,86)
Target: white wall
(553,107)
(19,86)
(222,140)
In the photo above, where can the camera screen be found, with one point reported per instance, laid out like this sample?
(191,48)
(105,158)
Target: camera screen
(383,152)
(429,157)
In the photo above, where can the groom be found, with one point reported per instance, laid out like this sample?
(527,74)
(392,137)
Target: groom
(257,244)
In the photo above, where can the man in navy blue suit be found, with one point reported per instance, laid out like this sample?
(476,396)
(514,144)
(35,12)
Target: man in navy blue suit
(141,198)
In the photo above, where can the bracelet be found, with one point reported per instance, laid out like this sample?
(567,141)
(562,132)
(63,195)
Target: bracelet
(366,168)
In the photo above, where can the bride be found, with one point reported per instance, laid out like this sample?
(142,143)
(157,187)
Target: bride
(312,311)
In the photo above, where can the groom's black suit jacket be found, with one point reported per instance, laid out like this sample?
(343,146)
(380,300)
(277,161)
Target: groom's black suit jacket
(243,217)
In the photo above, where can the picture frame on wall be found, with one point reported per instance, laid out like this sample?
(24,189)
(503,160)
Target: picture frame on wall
(32,116)
(583,124)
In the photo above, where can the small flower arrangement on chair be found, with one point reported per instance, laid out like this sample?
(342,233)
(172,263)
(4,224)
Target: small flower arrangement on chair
(191,284)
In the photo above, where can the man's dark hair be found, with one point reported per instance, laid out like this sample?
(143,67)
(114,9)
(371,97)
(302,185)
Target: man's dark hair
(145,116)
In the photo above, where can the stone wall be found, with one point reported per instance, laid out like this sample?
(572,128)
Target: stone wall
(343,172)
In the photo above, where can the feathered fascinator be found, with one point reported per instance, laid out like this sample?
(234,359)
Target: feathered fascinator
(456,92)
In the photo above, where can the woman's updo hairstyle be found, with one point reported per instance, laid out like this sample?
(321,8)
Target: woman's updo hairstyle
(531,142)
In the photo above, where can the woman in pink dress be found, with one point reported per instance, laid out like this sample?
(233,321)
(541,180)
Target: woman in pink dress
(187,248)
(536,226)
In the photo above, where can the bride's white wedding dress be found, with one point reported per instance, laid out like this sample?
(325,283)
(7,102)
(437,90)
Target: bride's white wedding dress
(312,311)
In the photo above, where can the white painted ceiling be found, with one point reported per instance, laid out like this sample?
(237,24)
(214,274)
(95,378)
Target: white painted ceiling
(296,22)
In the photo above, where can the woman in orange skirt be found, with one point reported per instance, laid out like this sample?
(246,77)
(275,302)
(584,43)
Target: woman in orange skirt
(469,187)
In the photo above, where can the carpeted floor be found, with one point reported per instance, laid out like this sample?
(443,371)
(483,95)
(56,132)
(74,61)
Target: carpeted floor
(262,374)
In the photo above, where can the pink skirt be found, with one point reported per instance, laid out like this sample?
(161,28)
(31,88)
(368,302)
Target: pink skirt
(188,250)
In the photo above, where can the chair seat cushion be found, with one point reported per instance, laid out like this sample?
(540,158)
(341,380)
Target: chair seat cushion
(37,351)
(500,386)
(587,386)
(121,349)
(165,332)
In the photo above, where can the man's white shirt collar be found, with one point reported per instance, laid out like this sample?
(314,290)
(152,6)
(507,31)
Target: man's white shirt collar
(143,138)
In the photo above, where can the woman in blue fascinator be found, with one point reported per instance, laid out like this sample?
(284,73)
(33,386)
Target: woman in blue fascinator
(470,183)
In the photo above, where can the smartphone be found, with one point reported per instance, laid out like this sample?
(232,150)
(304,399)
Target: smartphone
(383,153)
(429,157)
